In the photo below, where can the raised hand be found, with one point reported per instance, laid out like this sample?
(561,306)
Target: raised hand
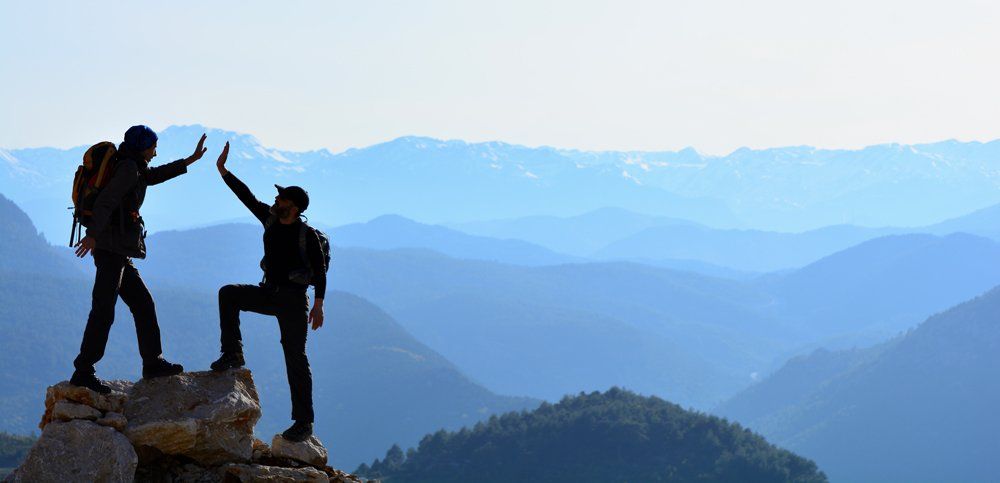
(199,150)
(221,163)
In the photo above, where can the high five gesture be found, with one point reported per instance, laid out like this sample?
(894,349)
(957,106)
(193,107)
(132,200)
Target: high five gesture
(221,163)
(199,151)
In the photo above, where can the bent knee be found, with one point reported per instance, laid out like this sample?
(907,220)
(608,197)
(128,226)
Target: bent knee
(227,292)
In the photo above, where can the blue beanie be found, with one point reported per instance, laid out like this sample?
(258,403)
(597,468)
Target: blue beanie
(139,138)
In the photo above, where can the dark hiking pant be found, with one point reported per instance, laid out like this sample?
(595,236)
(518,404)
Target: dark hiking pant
(117,277)
(291,307)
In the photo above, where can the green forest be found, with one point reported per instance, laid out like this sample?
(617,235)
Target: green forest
(615,436)
(13,448)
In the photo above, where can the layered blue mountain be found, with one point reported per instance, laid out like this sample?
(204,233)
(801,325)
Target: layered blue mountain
(419,178)
(25,249)
(580,235)
(780,189)
(551,330)
(749,250)
(984,222)
(374,384)
(393,231)
(921,407)
(872,291)
(617,234)
(537,331)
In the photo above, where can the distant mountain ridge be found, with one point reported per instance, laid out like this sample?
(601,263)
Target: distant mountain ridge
(363,362)
(884,286)
(783,189)
(697,337)
(392,231)
(921,407)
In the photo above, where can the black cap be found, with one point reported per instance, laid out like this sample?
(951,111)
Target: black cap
(295,195)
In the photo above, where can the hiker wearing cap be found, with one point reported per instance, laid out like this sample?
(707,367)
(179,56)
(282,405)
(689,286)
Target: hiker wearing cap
(116,234)
(294,258)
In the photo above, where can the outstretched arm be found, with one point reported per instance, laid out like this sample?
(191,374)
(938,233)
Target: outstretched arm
(174,169)
(259,209)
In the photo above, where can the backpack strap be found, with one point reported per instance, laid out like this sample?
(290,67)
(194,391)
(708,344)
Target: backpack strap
(304,229)
(263,266)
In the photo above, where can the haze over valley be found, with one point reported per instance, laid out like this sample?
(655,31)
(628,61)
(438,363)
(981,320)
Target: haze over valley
(795,291)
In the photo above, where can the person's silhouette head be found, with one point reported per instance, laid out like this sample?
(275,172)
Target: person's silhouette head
(290,202)
(140,142)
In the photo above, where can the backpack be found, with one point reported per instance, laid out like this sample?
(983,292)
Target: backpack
(91,177)
(304,276)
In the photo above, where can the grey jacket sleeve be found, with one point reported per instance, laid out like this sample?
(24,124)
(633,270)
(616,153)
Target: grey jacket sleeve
(124,180)
(167,171)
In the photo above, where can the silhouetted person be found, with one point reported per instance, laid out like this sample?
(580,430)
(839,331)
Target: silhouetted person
(287,274)
(115,235)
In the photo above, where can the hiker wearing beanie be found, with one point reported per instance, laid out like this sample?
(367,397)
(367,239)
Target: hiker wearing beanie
(294,258)
(115,235)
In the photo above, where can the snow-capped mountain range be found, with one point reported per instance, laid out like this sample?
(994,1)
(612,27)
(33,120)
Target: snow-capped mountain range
(784,189)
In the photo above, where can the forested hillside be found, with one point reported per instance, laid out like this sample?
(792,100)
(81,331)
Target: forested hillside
(13,448)
(615,436)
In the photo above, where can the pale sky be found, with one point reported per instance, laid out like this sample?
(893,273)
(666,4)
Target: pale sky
(623,75)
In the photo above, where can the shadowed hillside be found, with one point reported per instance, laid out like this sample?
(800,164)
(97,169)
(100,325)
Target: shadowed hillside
(872,291)
(921,407)
(616,436)
(374,383)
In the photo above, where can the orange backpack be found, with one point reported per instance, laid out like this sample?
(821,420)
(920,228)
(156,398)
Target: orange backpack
(91,177)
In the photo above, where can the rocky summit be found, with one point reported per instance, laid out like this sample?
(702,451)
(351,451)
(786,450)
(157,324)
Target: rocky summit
(193,427)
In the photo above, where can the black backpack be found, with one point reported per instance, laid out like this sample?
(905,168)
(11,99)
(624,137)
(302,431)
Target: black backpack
(305,275)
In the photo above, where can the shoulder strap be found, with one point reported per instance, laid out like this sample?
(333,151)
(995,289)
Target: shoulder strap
(270,221)
(304,229)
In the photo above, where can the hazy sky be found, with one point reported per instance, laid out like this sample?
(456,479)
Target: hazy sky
(714,75)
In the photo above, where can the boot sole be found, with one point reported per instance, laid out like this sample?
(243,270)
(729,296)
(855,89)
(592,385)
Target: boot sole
(227,367)
(161,374)
(103,391)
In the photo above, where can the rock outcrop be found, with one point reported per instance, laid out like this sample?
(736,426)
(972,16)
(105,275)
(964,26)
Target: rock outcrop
(310,451)
(255,473)
(78,450)
(205,416)
(66,393)
(194,427)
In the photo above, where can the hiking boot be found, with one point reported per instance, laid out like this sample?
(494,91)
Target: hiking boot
(228,360)
(299,432)
(161,368)
(91,382)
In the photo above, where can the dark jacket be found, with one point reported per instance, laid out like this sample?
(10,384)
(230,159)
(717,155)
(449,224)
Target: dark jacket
(115,224)
(314,252)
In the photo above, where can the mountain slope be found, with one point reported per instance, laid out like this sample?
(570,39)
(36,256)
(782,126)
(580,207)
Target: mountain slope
(25,250)
(374,383)
(616,436)
(579,235)
(750,250)
(695,339)
(886,285)
(920,408)
(391,231)
(984,222)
